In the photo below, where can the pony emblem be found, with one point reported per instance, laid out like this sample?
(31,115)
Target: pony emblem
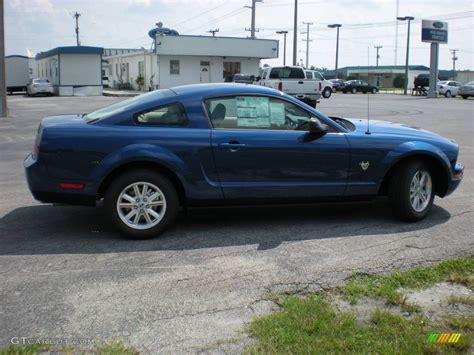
(364,165)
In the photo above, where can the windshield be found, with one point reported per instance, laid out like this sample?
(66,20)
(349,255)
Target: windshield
(442,82)
(471,83)
(41,81)
(127,104)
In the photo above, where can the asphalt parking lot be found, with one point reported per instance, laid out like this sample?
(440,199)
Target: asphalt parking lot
(65,273)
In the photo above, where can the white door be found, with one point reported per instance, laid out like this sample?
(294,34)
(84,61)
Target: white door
(205,78)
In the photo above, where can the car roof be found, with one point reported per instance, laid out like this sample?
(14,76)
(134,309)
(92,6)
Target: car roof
(223,89)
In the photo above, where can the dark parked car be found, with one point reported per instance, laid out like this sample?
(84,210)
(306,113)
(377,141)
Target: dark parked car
(225,144)
(243,78)
(355,86)
(337,84)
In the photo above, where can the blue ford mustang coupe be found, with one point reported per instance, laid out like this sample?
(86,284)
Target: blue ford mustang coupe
(214,144)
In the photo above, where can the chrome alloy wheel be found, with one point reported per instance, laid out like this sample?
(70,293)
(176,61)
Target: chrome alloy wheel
(420,190)
(141,205)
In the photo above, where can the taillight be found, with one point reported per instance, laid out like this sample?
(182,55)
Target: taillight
(280,86)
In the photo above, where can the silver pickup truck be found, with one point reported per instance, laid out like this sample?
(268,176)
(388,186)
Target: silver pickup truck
(292,81)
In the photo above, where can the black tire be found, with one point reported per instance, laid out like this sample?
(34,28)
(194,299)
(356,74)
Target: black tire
(399,193)
(374,90)
(124,180)
(447,94)
(464,97)
(354,91)
(327,93)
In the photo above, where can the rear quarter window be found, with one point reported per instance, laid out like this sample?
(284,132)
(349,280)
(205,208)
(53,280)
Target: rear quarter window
(168,115)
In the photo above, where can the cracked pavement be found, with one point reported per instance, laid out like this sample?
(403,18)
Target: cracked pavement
(67,274)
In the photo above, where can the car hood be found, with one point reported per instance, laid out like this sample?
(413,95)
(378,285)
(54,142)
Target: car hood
(393,128)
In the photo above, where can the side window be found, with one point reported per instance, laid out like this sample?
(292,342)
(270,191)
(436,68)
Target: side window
(170,115)
(255,112)
(309,75)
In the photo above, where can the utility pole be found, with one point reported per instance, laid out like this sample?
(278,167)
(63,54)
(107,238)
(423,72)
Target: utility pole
(397,12)
(378,56)
(307,40)
(252,24)
(213,32)
(76,16)
(3,93)
(295,33)
(409,19)
(454,58)
(284,33)
(337,26)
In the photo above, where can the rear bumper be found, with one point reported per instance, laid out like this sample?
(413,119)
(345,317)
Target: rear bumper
(456,179)
(47,190)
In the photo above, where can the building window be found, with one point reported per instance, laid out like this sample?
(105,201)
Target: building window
(174,67)
(230,68)
(141,68)
(116,69)
(204,63)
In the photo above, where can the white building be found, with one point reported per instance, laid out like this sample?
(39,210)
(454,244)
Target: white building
(186,59)
(73,71)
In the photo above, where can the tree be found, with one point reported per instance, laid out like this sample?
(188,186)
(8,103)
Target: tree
(399,81)
(140,81)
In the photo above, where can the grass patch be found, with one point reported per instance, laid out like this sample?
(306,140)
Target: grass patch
(388,286)
(312,326)
(111,348)
(469,300)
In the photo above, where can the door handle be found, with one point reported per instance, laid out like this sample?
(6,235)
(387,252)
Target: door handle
(300,82)
(232,146)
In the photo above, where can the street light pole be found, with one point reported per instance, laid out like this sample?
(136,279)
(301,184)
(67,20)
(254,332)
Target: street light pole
(295,33)
(336,25)
(409,19)
(284,33)
(3,93)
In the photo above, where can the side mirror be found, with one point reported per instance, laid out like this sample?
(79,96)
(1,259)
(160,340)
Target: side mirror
(317,128)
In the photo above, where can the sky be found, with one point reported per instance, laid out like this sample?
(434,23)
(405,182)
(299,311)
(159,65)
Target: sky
(32,26)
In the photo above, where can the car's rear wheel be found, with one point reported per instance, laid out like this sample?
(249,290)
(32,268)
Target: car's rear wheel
(412,191)
(141,203)
(354,90)
(447,93)
(327,93)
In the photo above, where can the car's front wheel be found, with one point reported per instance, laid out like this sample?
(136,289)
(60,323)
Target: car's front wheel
(374,90)
(354,90)
(412,191)
(447,93)
(141,203)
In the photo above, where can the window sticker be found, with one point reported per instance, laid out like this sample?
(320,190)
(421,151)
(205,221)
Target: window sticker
(253,111)
(277,113)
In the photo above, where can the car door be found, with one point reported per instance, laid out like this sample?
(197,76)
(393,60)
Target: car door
(262,151)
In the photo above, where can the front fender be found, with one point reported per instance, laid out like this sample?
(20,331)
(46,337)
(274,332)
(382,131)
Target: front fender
(413,148)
